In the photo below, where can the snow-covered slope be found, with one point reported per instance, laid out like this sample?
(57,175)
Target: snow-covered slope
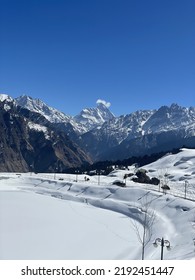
(64,219)
(177,168)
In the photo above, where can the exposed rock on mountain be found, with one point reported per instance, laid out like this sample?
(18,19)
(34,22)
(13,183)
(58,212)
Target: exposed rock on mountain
(28,145)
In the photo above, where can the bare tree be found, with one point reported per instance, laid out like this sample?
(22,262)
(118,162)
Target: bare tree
(144,224)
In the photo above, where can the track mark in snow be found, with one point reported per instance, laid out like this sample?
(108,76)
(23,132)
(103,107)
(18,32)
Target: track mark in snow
(83,191)
(107,196)
(144,195)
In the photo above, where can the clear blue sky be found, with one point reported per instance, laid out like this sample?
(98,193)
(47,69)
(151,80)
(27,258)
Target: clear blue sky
(135,54)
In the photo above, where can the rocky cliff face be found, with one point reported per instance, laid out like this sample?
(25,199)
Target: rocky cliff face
(26,145)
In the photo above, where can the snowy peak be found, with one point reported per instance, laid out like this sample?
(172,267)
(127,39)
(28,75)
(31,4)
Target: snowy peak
(93,117)
(5,97)
(28,102)
(104,112)
(170,118)
(38,106)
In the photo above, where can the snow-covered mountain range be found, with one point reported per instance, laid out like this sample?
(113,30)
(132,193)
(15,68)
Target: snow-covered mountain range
(86,120)
(154,131)
(103,136)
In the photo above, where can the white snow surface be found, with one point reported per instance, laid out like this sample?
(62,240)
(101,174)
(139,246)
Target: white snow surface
(40,128)
(51,216)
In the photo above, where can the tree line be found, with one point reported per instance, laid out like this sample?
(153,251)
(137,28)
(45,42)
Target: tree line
(105,167)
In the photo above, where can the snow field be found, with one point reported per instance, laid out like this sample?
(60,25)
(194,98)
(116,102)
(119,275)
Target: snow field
(43,218)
